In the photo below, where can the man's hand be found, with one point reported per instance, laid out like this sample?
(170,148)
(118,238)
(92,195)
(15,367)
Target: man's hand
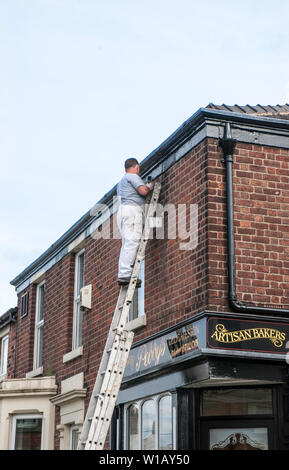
(150,185)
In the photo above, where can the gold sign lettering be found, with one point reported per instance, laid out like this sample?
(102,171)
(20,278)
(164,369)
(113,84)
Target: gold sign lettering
(150,355)
(184,342)
(222,335)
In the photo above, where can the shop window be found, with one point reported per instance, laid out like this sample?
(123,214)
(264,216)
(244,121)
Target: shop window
(149,424)
(255,438)
(133,427)
(165,423)
(27,432)
(241,401)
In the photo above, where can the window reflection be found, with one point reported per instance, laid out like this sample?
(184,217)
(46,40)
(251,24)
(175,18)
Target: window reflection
(165,423)
(133,441)
(243,401)
(28,434)
(148,425)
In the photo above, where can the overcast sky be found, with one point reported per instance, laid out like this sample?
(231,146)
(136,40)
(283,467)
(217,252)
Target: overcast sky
(86,83)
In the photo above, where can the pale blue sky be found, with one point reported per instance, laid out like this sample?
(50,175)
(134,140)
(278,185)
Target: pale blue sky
(86,83)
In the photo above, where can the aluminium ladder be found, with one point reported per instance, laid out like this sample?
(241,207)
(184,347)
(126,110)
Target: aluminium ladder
(116,351)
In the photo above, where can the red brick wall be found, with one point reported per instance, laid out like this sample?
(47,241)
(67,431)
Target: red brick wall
(261,217)
(21,339)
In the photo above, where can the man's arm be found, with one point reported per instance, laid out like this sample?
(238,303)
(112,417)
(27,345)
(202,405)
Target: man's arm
(143,190)
(139,185)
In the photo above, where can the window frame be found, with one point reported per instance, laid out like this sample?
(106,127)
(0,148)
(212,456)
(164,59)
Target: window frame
(235,389)
(77,314)
(24,305)
(139,404)
(26,416)
(137,308)
(73,428)
(4,357)
(204,423)
(39,325)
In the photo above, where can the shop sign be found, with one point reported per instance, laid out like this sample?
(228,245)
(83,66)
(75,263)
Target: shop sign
(164,349)
(247,335)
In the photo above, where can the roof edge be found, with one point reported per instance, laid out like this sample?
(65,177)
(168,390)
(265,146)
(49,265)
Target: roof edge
(175,140)
(8,317)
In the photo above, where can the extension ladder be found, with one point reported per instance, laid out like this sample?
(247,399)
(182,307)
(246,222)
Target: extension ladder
(116,351)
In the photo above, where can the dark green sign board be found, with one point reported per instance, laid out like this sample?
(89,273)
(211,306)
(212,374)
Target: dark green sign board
(247,335)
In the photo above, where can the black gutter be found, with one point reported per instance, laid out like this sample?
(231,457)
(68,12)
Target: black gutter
(8,317)
(227,143)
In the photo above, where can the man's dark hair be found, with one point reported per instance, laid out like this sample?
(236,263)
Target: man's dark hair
(130,162)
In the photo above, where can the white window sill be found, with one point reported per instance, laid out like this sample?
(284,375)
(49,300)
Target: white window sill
(34,373)
(137,323)
(3,377)
(73,354)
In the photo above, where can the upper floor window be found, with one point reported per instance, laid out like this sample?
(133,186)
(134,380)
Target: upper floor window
(24,305)
(39,326)
(138,304)
(149,424)
(3,355)
(77,312)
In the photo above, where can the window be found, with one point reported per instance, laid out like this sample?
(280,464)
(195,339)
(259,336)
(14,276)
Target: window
(165,423)
(237,418)
(149,424)
(148,431)
(27,432)
(77,312)
(4,355)
(137,307)
(39,326)
(238,401)
(24,305)
(74,432)
(133,427)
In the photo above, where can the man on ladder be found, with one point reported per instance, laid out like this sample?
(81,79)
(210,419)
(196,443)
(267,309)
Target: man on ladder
(135,235)
(132,192)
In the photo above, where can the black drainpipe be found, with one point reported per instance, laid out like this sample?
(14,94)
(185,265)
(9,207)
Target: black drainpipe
(228,145)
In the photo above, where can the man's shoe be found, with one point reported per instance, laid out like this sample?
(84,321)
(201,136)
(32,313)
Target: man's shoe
(124,281)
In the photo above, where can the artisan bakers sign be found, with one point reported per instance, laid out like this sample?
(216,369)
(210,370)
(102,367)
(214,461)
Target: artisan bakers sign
(248,335)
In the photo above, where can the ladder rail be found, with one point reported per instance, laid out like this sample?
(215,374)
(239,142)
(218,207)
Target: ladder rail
(116,351)
(105,406)
(98,382)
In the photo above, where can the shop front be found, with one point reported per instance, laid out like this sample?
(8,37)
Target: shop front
(214,382)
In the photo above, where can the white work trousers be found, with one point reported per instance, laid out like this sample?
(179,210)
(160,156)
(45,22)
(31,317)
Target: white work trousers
(130,224)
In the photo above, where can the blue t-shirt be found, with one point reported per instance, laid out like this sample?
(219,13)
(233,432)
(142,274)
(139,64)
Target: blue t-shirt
(127,190)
